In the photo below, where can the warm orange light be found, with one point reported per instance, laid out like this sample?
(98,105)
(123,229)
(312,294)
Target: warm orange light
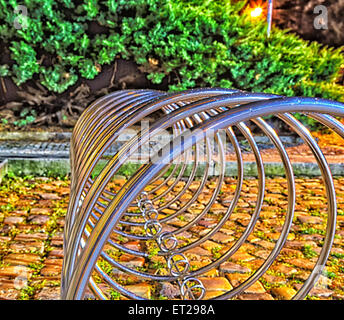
(256,12)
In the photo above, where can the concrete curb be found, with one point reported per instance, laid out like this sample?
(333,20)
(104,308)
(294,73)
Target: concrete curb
(61,167)
(36,160)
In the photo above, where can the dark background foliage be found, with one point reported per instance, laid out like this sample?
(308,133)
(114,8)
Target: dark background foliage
(73,51)
(298,16)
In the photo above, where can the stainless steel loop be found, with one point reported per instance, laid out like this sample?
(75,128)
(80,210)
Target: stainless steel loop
(167,241)
(189,292)
(178,264)
(152,228)
(149,190)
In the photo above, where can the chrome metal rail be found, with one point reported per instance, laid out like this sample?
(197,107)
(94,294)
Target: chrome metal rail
(139,229)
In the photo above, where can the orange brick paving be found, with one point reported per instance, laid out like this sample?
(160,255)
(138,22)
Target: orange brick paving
(31,238)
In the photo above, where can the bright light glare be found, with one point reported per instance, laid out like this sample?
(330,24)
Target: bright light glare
(256,12)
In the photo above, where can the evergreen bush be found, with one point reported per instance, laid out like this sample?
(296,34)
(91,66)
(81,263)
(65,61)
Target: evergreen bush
(196,43)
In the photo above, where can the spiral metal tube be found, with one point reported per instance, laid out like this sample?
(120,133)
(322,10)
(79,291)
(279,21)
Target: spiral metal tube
(200,121)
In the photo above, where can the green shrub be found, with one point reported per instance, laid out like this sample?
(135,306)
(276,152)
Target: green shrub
(196,43)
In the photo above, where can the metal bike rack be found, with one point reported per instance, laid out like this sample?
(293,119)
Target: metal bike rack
(98,218)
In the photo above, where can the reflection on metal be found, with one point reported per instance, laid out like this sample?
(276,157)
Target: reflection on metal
(110,231)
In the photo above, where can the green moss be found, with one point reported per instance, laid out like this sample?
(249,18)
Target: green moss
(308,252)
(114,295)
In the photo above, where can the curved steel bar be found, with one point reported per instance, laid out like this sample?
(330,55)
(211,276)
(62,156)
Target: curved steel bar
(100,222)
(120,157)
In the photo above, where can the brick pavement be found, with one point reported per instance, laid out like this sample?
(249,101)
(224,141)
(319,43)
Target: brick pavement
(31,237)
